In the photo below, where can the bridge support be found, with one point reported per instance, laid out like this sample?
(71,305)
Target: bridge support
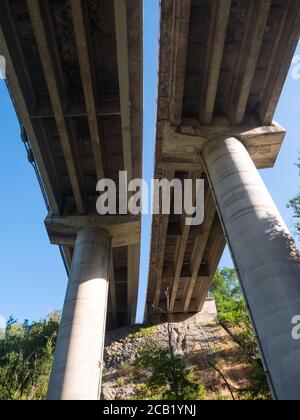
(266,257)
(78,358)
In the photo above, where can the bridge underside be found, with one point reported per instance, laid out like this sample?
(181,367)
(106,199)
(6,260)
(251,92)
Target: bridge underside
(74,69)
(223,65)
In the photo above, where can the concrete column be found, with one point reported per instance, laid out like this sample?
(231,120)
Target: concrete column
(266,257)
(79,351)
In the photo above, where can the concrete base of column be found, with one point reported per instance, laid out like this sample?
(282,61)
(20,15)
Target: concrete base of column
(266,257)
(79,351)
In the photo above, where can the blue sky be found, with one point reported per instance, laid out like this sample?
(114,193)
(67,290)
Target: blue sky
(32,276)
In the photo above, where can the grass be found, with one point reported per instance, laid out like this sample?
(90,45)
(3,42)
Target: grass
(143,332)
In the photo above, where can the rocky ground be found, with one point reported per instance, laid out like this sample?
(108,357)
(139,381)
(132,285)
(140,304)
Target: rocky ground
(200,344)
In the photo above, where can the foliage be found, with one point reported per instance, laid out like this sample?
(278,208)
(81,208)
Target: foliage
(121,382)
(232,309)
(168,378)
(127,370)
(295,205)
(26,355)
(143,332)
(234,318)
(258,390)
(27,350)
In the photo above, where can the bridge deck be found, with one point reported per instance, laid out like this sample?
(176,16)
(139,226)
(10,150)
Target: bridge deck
(222,69)
(74,69)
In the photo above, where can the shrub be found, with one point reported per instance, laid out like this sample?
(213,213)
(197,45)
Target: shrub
(167,377)
(26,355)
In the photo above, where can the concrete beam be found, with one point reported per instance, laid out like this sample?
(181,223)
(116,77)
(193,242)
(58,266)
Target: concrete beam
(160,247)
(133,265)
(258,13)
(34,9)
(23,113)
(180,249)
(185,144)
(124,231)
(87,83)
(199,249)
(288,33)
(177,309)
(220,12)
(179,257)
(124,81)
(215,255)
(68,256)
(181,20)
(106,108)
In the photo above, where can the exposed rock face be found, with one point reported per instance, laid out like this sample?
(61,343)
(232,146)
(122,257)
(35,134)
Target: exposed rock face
(218,362)
(122,346)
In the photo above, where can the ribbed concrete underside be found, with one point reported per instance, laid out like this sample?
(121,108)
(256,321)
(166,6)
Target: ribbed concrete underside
(222,68)
(74,69)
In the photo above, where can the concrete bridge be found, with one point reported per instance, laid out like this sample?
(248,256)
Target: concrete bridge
(74,69)
(223,65)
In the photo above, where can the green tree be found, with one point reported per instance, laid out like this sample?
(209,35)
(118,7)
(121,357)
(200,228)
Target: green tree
(26,355)
(229,300)
(234,318)
(295,205)
(168,378)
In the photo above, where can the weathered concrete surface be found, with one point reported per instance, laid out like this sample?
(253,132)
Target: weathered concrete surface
(207,315)
(266,257)
(222,67)
(79,351)
(75,74)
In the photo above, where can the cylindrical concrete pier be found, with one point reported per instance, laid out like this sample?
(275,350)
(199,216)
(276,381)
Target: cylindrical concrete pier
(79,351)
(266,257)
